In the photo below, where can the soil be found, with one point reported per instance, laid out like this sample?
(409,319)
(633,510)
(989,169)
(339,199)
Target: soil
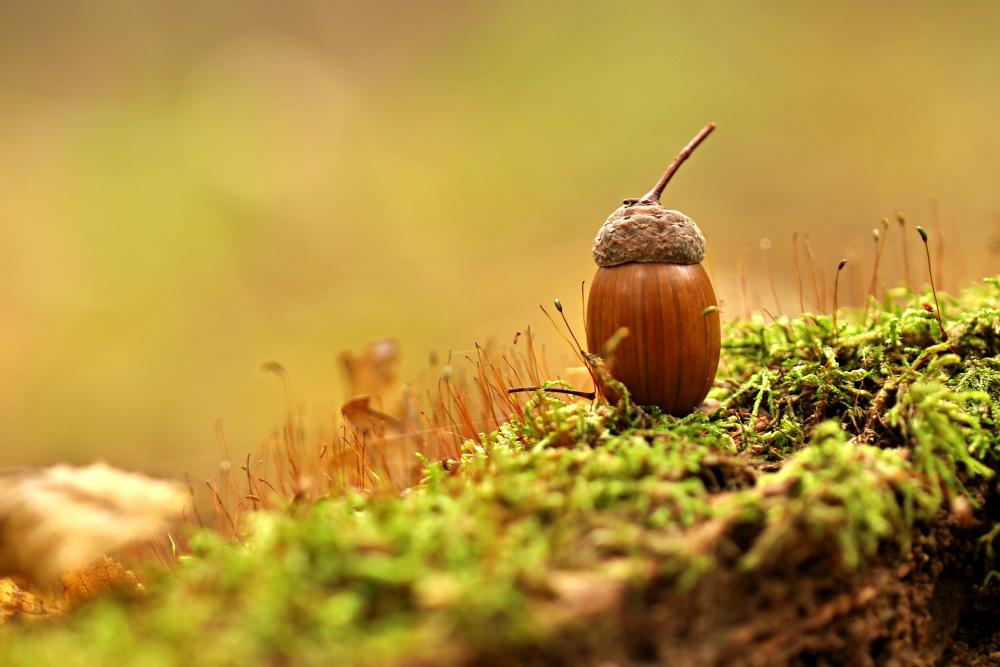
(925,608)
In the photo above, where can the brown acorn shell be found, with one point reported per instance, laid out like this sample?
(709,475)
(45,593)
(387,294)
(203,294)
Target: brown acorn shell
(671,355)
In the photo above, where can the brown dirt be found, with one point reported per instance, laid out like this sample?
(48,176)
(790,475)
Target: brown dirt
(927,607)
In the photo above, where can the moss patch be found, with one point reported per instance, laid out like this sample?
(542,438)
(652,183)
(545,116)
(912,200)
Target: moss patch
(836,458)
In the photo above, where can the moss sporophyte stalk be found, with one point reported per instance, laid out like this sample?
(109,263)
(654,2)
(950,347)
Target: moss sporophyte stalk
(847,469)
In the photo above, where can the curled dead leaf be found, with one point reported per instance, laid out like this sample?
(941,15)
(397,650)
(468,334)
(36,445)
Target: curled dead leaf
(63,518)
(363,417)
(17,603)
(100,576)
(374,373)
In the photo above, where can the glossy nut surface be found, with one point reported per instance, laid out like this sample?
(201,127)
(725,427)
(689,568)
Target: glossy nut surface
(671,354)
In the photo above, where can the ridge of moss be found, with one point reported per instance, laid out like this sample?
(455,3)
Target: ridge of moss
(832,445)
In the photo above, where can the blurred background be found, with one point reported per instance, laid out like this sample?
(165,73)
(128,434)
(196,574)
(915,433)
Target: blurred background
(188,190)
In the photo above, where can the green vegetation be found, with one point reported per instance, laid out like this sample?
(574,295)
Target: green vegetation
(832,447)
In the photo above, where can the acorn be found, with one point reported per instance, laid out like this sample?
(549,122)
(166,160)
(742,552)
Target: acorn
(650,281)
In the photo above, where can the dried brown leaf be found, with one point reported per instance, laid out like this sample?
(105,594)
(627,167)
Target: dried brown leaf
(63,518)
(17,603)
(365,418)
(356,411)
(102,575)
(375,370)
(375,373)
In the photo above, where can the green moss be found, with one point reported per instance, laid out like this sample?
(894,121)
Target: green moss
(832,445)
(856,497)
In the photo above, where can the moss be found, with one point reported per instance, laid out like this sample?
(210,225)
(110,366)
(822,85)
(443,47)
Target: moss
(830,446)
(833,492)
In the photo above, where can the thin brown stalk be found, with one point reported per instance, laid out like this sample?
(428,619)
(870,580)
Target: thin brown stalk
(250,489)
(496,380)
(930,274)
(532,356)
(484,385)
(879,239)
(798,273)
(500,380)
(765,249)
(836,300)
(654,194)
(572,335)
(194,501)
(576,348)
(221,507)
(742,267)
(464,414)
(228,483)
(821,272)
(812,275)
(515,407)
(904,251)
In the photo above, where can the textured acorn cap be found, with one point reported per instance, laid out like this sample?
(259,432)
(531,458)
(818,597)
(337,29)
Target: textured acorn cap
(648,232)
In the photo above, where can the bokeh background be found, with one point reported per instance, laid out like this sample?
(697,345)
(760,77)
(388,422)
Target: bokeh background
(190,189)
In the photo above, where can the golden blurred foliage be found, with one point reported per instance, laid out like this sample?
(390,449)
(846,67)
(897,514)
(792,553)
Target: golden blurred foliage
(191,188)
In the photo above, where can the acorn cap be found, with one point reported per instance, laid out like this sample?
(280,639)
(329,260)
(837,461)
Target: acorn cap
(643,231)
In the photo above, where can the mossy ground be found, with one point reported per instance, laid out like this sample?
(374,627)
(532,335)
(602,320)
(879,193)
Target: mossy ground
(845,476)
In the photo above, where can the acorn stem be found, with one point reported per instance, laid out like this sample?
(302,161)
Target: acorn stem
(653,196)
